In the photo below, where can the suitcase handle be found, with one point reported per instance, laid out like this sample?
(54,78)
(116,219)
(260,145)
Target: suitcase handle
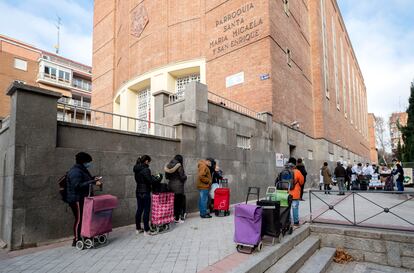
(222,182)
(253,191)
(271,190)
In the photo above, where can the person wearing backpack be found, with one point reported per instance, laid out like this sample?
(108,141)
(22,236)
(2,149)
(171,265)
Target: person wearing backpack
(295,190)
(175,174)
(301,167)
(145,182)
(78,181)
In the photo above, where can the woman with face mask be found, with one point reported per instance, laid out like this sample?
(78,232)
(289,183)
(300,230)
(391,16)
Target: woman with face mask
(78,182)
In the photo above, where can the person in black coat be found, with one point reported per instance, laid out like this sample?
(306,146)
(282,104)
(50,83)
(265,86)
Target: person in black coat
(301,167)
(175,174)
(78,182)
(400,179)
(145,182)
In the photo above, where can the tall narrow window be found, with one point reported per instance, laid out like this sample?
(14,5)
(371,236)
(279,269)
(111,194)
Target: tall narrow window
(349,89)
(144,109)
(286,7)
(325,49)
(352,111)
(335,64)
(343,77)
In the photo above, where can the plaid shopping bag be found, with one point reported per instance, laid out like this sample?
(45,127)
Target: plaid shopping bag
(162,208)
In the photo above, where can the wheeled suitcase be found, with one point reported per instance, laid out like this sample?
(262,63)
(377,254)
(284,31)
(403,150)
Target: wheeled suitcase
(222,201)
(96,220)
(248,225)
(162,210)
(271,219)
(285,200)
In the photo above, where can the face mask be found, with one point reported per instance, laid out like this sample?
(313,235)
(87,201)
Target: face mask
(87,165)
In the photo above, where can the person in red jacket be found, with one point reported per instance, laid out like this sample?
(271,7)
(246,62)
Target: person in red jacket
(298,181)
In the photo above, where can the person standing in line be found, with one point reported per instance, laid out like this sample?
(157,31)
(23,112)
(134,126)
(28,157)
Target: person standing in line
(348,177)
(340,174)
(144,181)
(217,176)
(204,180)
(175,174)
(327,177)
(78,182)
(399,172)
(298,181)
(301,167)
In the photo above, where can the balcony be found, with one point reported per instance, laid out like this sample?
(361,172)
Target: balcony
(51,78)
(76,103)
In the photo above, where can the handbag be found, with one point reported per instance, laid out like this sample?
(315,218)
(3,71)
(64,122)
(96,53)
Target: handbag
(214,186)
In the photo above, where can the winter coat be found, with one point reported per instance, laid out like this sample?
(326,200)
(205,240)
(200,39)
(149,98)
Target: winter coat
(327,175)
(298,181)
(400,172)
(143,178)
(340,171)
(348,173)
(175,174)
(302,170)
(78,181)
(204,178)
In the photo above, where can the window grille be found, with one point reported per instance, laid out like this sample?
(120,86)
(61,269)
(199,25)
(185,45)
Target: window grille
(243,142)
(144,108)
(183,81)
(310,155)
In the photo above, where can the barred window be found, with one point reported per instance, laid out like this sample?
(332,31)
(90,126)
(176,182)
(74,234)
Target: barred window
(144,109)
(183,81)
(243,142)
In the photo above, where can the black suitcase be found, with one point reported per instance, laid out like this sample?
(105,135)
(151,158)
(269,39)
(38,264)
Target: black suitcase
(271,224)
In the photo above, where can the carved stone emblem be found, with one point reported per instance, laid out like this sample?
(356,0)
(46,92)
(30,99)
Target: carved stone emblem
(139,19)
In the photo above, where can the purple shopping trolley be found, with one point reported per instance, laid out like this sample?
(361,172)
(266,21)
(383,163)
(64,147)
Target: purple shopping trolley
(248,226)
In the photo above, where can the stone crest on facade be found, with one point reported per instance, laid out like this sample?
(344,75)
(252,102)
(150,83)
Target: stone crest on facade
(139,19)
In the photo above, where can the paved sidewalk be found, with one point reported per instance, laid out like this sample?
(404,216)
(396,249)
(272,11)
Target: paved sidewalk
(188,247)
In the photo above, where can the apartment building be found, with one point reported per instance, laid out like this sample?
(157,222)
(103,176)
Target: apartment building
(396,120)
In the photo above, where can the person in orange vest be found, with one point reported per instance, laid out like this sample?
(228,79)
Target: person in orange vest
(298,181)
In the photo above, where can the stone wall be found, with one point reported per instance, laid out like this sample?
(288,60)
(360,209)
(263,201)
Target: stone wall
(35,150)
(390,248)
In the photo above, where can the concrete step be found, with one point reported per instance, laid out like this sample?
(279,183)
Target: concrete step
(295,258)
(259,262)
(319,262)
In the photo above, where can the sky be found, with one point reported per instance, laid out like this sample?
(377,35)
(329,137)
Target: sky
(34,22)
(381,31)
(382,34)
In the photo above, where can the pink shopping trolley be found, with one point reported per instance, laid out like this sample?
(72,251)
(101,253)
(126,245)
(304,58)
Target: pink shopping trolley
(162,212)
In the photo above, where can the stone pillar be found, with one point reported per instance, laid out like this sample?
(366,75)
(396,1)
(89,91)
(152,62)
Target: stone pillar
(33,134)
(161,98)
(268,118)
(196,102)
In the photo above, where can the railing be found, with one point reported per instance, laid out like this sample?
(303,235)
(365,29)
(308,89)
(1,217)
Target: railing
(73,102)
(97,118)
(372,209)
(234,106)
(177,96)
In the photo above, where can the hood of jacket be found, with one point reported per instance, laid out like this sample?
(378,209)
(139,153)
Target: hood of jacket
(202,163)
(139,167)
(172,167)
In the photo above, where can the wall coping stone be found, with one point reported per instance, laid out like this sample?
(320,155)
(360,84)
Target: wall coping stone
(30,88)
(162,92)
(68,124)
(186,123)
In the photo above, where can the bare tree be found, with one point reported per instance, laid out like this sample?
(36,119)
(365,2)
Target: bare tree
(381,134)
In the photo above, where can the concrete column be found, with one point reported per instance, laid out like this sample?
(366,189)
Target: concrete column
(268,118)
(32,140)
(196,102)
(161,98)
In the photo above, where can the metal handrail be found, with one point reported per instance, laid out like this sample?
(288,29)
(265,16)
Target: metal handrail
(103,119)
(234,106)
(354,222)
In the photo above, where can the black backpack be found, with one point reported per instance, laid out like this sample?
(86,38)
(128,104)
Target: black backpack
(63,187)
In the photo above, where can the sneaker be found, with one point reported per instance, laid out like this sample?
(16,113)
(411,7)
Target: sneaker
(206,216)
(184,216)
(176,221)
(138,231)
(149,233)
(296,224)
(74,243)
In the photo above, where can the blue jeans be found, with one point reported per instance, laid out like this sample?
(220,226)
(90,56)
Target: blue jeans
(202,202)
(400,186)
(295,211)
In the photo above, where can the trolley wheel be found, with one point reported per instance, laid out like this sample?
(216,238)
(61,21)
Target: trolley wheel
(290,231)
(280,238)
(88,243)
(167,227)
(80,245)
(239,248)
(102,239)
(260,246)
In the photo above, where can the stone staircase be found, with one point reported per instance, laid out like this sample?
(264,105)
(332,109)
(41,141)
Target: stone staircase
(299,252)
